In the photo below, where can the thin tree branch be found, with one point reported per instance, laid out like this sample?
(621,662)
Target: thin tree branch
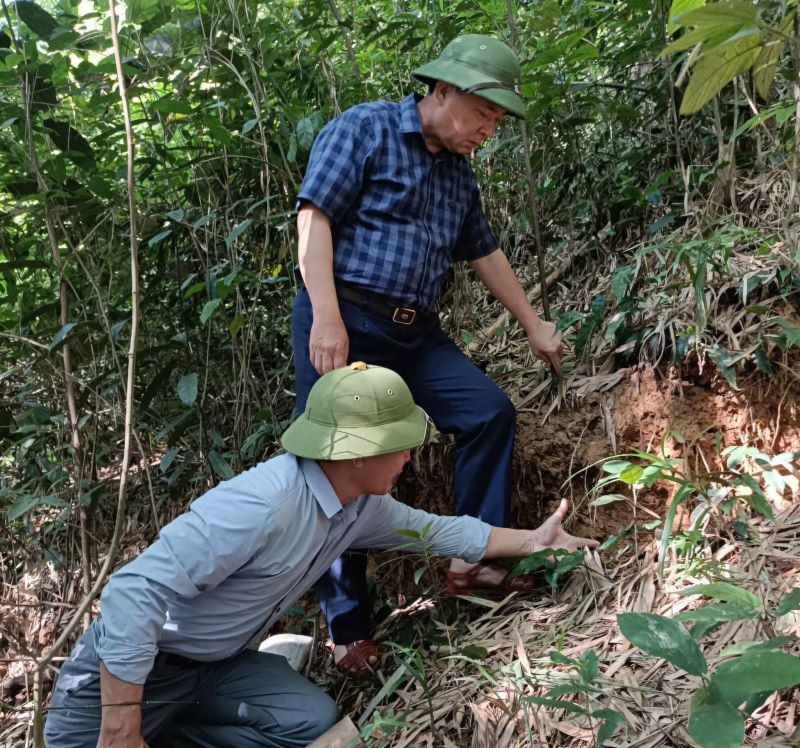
(67,632)
(526,157)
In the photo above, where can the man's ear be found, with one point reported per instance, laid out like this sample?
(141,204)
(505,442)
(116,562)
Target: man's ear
(442,90)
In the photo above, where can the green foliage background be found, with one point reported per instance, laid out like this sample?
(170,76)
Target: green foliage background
(227,98)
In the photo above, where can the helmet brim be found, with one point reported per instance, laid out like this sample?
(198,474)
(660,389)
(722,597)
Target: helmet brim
(306,438)
(462,76)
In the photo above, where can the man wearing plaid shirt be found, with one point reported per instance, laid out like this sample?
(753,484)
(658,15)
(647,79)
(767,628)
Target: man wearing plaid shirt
(388,203)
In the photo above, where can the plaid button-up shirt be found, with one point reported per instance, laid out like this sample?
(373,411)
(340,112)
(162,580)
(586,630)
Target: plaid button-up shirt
(399,215)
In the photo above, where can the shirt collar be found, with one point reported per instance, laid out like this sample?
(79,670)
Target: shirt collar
(321,487)
(409,115)
(409,123)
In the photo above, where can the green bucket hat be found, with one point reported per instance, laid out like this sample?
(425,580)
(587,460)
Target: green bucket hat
(481,65)
(358,411)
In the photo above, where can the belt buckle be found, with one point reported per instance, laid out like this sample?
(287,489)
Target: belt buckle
(403,316)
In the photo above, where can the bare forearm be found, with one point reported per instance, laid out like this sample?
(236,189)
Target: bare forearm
(504,542)
(497,275)
(507,543)
(121,722)
(315,256)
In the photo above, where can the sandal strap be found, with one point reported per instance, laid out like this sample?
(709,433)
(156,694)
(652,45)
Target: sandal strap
(357,657)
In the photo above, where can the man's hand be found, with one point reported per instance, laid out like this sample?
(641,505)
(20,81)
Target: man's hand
(545,342)
(551,533)
(328,344)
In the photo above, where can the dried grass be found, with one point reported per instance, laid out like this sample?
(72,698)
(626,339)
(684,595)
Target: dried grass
(481,703)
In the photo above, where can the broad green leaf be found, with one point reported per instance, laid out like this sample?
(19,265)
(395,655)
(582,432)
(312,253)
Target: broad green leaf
(236,324)
(679,8)
(762,671)
(187,388)
(567,706)
(767,62)
(220,466)
(26,503)
(160,236)
(203,220)
(35,18)
(722,13)
(615,467)
(716,726)
(588,666)
(687,41)
(620,280)
(662,637)
(771,645)
(559,658)
(61,335)
(418,573)
(718,66)
(612,720)
(208,309)
(168,459)
(475,652)
(631,474)
(725,363)
(249,125)
(756,498)
(790,602)
(717,612)
(791,332)
(237,231)
(725,591)
(608,498)
(195,288)
(307,129)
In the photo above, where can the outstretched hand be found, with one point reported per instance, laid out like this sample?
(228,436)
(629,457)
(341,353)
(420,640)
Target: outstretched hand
(551,533)
(545,343)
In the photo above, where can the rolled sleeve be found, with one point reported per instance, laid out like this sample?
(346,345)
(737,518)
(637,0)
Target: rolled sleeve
(338,165)
(476,239)
(195,552)
(384,518)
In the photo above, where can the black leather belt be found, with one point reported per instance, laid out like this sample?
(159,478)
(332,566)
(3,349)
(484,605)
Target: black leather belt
(380,305)
(176,660)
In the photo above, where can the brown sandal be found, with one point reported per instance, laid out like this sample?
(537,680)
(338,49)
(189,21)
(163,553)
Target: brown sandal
(466,583)
(355,661)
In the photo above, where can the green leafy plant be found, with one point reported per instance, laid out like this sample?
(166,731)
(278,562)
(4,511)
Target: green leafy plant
(720,491)
(728,39)
(554,564)
(586,668)
(751,670)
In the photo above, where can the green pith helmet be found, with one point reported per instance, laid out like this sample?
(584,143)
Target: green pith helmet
(358,411)
(481,65)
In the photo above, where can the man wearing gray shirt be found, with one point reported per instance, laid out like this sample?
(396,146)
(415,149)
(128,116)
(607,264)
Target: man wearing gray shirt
(168,662)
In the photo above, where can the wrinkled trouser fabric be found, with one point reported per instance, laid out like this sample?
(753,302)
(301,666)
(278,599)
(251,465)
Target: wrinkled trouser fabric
(251,699)
(459,398)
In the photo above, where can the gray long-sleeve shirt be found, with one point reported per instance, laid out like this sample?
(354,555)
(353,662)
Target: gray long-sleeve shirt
(243,554)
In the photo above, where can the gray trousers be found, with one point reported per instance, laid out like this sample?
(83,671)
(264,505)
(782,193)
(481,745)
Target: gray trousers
(252,699)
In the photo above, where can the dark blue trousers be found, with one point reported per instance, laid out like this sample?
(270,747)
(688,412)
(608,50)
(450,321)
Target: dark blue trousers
(459,398)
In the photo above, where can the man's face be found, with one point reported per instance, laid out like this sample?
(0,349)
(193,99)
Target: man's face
(464,120)
(379,474)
